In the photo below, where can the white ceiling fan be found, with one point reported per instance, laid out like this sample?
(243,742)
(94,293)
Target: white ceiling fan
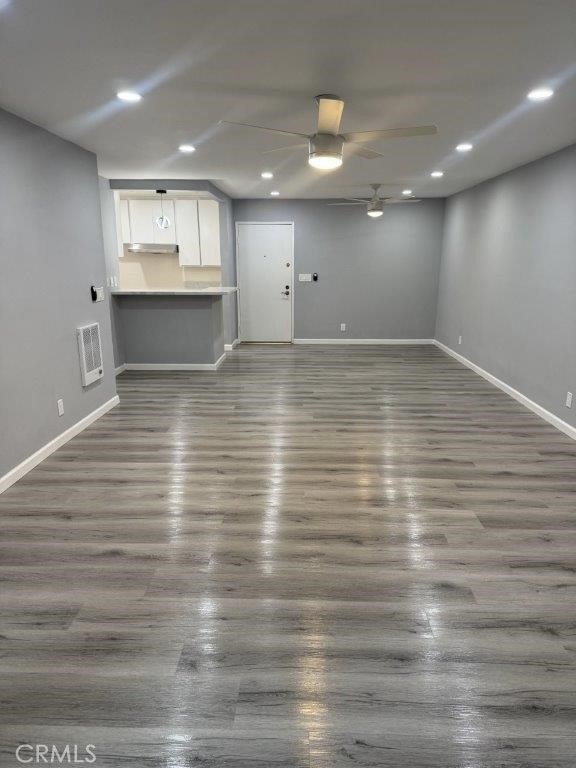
(325,147)
(375,206)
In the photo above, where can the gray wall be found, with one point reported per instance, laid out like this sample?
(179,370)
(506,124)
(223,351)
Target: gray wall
(171,329)
(228,248)
(111,258)
(50,253)
(379,276)
(508,279)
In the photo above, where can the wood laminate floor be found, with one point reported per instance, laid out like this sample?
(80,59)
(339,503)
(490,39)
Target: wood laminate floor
(317,557)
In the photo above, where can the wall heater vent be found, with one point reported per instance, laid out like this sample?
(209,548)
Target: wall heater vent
(90,353)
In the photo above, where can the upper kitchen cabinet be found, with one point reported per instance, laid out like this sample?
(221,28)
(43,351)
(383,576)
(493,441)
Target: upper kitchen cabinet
(125,222)
(188,233)
(194,225)
(143,226)
(209,222)
(198,229)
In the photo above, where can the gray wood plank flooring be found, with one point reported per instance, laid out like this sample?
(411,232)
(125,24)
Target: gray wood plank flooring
(316,557)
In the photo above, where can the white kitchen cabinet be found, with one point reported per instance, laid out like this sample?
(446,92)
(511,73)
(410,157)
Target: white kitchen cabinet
(188,233)
(143,227)
(194,226)
(125,221)
(209,223)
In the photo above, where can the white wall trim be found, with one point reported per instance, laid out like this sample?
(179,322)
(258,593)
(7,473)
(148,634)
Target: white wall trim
(42,453)
(548,416)
(176,366)
(230,347)
(119,369)
(364,341)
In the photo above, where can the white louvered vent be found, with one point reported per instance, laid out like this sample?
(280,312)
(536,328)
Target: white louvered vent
(90,353)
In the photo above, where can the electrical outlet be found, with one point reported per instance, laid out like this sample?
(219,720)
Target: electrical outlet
(568,399)
(459,339)
(60,404)
(342,326)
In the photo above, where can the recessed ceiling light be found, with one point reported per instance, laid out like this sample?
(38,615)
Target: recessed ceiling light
(437,174)
(406,192)
(128,96)
(267,175)
(187,148)
(274,193)
(540,94)
(464,147)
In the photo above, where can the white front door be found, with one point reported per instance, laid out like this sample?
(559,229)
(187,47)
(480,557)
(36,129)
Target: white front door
(265,268)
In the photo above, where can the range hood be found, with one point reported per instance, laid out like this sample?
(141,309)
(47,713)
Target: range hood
(152,247)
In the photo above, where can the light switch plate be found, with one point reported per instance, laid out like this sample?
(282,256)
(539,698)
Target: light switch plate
(304,278)
(100,294)
(568,399)
(60,404)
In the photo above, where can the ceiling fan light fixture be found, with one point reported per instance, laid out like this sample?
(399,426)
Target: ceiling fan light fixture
(375,207)
(324,162)
(325,152)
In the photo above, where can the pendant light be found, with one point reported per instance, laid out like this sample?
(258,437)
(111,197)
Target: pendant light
(162,222)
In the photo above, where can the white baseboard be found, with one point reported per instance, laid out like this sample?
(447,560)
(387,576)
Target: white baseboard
(230,347)
(551,418)
(120,369)
(364,341)
(176,366)
(42,453)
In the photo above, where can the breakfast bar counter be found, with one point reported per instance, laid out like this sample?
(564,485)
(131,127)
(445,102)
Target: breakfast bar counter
(165,329)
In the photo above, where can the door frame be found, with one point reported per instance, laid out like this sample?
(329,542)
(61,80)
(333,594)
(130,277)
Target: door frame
(239,294)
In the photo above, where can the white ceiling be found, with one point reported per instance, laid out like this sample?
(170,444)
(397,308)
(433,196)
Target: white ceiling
(465,65)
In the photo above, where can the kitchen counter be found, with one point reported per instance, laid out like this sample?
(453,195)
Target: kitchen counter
(179,329)
(212,291)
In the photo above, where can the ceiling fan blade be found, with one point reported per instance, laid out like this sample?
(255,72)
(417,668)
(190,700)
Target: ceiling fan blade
(285,149)
(391,201)
(365,152)
(391,133)
(264,128)
(329,113)
(351,201)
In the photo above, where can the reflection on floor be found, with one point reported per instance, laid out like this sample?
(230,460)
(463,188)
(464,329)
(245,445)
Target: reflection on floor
(317,556)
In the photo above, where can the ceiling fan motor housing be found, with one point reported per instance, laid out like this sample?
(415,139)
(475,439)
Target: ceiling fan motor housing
(325,145)
(376,206)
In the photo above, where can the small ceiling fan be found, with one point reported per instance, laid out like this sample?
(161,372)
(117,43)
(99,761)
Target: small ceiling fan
(325,147)
(375,206)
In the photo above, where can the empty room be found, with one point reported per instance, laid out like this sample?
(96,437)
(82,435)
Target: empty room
(287,363)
